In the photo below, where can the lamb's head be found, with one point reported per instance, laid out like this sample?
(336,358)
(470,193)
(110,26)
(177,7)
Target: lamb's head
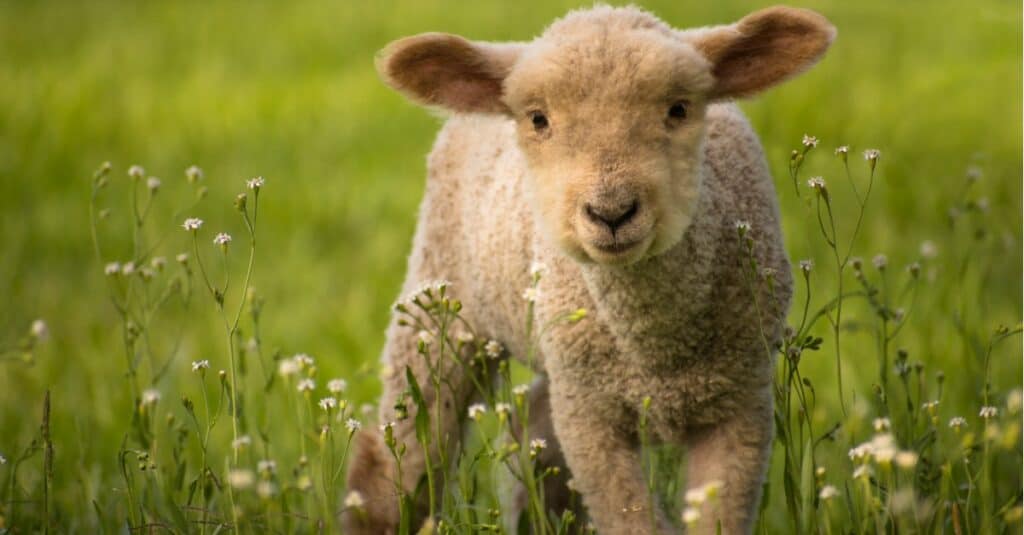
(609,106)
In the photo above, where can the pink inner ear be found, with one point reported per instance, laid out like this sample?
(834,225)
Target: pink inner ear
(446,71)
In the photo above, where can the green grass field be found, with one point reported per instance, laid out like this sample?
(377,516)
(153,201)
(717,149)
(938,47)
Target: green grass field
(288,91)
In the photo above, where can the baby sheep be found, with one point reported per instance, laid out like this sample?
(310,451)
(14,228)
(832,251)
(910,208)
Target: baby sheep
(607,150)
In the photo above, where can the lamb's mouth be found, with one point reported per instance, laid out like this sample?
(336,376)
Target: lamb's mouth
(617,247)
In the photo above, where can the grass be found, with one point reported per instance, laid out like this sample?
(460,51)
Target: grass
(288,92)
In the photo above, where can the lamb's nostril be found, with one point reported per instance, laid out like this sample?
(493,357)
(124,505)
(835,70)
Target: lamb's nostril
(612,217)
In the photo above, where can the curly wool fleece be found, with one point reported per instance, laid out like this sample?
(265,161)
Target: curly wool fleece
(607,150)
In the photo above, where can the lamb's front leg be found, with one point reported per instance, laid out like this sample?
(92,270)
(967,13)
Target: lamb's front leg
(733,455)
(599,441)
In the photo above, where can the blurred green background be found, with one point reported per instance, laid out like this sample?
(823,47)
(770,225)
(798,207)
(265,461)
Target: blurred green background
(287,90)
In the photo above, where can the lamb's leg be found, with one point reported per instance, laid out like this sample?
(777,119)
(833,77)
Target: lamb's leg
(557,496)
(734,454)
(373,471)
(599,441)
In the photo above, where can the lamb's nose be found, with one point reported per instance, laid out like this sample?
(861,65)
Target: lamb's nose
(614,216)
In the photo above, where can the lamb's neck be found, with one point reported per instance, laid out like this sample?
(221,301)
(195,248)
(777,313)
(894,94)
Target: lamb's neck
(660,302)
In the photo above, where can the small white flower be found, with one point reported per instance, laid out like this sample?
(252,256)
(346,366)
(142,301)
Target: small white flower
(153,183)
(930,406)
(816,183)
(385,426)
(880,261)
(464,337)
(493,349)
(973,173)
(193,173)
(828,492)
(241,479)
(241,442)
(352,425)
(266,466)
(128,268)
(112,268)
(192,223)
(306,385)
(502,409)
(806,265)
(988,412)
(882,424)
(538,444)
(158,262)
(906,459)
(695,496)
(303,360)
(266,489)
(810,141)
(255,182)
(742,227)
(200,365)
(425,337)
(222,238)
(521,390)
(531,294)
(150,396)
(3,460)
(872,155)
(861,452)
(842,149)
(957,422)
(691,515)
(136,172)
(40,331)
(477,410)
(538,269)
(328,404)
(337,386)
(288,367)
(928,249)
(862,471)
(181,258)
(354,500)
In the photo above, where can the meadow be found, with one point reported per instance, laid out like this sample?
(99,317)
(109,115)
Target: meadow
(137,433)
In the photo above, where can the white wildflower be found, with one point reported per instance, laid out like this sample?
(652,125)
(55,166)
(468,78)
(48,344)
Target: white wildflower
(882,424)
(742,227)
(531,294)
(266,466)
(816,183)
(493,349)
(906,459)
(112,268)
(521,390)
(842,149)
(477,410)
(153,183)
(193,173)
(150,396)
(200,365)
(352,425)
(464,337)
(222,238)
(40,331)
(538,444)
(806,265)
(1013,401)
(691,515)
(828,492)
(192,223)
(128,268)
(862,471)
(880,261)
(425,337)
(861,452)
(957,422)
(241,442)
(328,404)
(306,385)
(538,270)
(354,500)
(303,360)
(255,182)
(3,460)
(136,172)
(158,262)
(287,367)
(810,141)
(266,489)
(502,409)
(337,386)
(872,155)
(241,479)
(181,258)
(928,249)
(988,412)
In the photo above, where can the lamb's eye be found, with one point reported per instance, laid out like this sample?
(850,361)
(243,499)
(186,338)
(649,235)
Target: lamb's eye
(539,120)
(677,111)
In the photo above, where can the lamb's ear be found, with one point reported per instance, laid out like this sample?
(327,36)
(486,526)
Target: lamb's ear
(763,49)
(448,71)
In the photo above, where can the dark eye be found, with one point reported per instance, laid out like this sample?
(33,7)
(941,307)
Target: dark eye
(677,111)
(539,120)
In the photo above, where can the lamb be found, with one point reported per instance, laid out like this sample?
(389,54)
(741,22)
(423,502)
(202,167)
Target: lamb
(606,149)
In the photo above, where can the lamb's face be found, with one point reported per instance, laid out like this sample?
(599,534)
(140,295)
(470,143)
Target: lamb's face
(612,127)
(609,105)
